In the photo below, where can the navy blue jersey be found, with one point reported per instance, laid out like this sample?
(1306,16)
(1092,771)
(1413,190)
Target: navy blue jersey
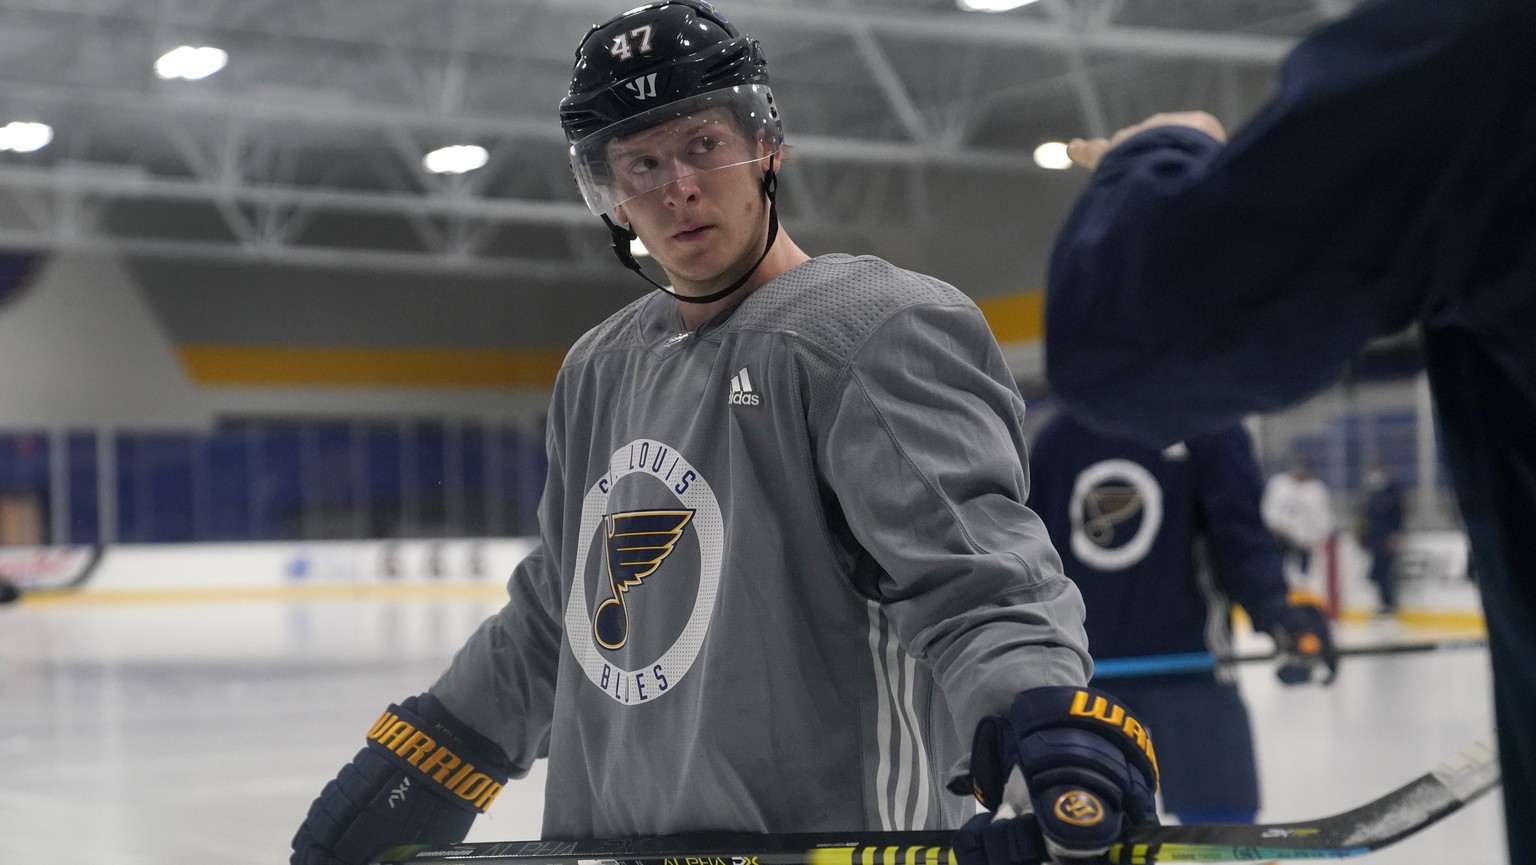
(1383,512)
(1158,540)
(1391,180)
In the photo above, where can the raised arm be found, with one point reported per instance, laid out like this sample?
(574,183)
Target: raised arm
(1195,282)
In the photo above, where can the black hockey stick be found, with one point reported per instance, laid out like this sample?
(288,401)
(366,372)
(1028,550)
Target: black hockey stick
(1404,811)
(43,571)
(1414,806)
(1194,662)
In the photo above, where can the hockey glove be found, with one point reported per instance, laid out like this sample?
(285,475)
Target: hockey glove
(1066,772)
(422,779)
(1305,643)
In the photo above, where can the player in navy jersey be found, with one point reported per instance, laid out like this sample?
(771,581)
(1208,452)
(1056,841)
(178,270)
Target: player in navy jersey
(786,577)
(1390,181)
(1161,542)
(1382,515)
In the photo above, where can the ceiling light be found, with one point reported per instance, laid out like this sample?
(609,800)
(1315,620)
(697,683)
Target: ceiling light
(1053,155)
(637,249)
(455,159)
(24,137)
(990,5)
(191,64)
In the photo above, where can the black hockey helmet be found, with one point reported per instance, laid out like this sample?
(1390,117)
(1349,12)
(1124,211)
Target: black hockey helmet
(653,64)
(677,71)
(687,43)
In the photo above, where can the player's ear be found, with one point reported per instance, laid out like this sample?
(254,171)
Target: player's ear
(778,157)
(621,217)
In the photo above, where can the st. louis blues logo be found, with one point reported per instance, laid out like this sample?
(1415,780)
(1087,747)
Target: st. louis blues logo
(624,616)
(1116,511)
(638,542)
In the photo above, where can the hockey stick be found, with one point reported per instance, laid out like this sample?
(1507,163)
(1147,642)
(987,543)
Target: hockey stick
(1418,804)
(1194,662)
(1402,812)
(44,571)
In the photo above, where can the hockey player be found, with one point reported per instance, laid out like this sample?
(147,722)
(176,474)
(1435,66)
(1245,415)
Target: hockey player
(1161,542)
(786,573)
(1382,532)
(1298,510)
(1391,180)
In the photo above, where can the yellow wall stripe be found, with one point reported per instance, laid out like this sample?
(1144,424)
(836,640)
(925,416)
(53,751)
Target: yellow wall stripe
(1015,317)
(217,365)
(1457,620)
(1012,317)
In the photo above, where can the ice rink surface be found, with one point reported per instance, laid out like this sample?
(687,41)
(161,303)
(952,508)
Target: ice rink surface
(198,733)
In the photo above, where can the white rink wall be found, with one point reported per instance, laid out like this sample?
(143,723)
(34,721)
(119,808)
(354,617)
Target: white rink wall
(295,566)
(1433,582)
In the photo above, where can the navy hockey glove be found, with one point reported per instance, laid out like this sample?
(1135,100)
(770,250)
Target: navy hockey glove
(1066,772)
(1305,642)
(422,779)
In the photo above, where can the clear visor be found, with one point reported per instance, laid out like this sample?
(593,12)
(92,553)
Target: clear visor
(681,139)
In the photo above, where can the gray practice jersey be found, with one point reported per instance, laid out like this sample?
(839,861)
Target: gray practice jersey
(785,566)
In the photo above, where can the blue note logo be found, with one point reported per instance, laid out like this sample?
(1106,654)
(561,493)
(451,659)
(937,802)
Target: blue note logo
(647,572)
(638,542)
(1116,511)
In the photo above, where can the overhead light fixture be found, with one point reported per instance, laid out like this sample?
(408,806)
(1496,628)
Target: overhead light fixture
(455,159)
(24,137)
(990,5)
(637,249)
(190,64)
(1053,155)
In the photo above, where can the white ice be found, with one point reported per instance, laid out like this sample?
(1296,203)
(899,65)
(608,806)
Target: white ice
(197,734)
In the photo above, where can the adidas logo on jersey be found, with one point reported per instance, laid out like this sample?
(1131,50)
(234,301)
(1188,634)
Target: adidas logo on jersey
(741,389)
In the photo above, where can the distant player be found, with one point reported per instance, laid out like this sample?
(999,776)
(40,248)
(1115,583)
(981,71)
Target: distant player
(1382,515)
(1390,181)
(1161,542)
(1298,510)
(8,592)
(786,575)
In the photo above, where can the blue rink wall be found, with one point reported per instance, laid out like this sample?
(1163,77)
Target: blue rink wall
(288,480)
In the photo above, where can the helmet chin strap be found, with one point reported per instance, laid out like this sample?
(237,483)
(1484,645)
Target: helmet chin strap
(623,234)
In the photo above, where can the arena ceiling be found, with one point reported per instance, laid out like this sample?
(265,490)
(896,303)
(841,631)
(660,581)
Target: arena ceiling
(913,123)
